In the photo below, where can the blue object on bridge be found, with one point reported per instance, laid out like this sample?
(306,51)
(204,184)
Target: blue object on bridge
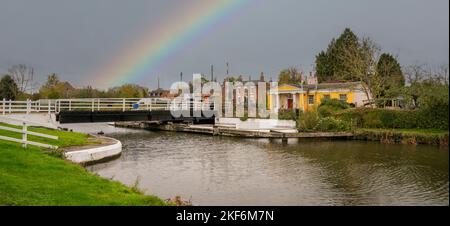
(135,106)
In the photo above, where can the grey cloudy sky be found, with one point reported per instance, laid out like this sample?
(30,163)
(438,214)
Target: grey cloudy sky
(75,38)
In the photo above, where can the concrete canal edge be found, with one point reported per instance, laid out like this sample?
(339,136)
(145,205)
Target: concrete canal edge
(214,130)
(87,155)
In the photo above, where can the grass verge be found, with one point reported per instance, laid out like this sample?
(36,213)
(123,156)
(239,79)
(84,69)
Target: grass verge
(404,136)
(33,177)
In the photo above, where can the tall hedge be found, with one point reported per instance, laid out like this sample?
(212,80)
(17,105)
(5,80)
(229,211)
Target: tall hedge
(429,118)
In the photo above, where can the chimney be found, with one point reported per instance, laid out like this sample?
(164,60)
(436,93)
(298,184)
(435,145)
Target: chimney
(312,79)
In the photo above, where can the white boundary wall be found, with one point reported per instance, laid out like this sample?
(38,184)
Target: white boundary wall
(256,124)
(94,154)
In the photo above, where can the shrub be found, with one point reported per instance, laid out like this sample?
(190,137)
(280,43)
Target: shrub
(328,107)
(427,118)
(435,116)
(287,114)
(330,124)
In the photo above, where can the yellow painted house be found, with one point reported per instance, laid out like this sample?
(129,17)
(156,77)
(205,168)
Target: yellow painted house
(308,97)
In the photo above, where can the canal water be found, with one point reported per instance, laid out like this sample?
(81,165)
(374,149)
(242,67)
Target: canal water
(231,171)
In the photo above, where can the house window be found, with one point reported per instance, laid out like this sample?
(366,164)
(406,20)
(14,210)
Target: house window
(343,97)
(310,99)
(326,97)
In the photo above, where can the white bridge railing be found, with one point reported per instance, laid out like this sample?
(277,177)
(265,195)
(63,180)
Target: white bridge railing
(96,104)
(87,104)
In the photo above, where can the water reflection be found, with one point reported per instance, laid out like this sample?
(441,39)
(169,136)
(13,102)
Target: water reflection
(230,171)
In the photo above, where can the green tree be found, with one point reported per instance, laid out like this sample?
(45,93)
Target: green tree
(330,65)
(426,87)
(52,80)
(390,74)
(54,88)
(127,91)
(8,88)
(290,76)
(324,69)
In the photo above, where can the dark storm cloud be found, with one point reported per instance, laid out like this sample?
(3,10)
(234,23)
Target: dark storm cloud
(75,38)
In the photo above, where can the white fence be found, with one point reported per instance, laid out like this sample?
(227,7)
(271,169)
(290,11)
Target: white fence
(24,141)
(88,104)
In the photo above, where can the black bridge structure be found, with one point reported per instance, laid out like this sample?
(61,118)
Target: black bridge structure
(88,110)
(162,116)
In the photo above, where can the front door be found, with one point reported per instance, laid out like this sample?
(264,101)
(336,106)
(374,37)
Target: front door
(290,103)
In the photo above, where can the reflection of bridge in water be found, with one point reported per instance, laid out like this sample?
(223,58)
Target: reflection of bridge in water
(104,110)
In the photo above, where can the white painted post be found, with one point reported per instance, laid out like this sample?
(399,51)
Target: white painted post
(9,106)
(294,96)
(59,106)
(28,106)
(123,104)
(4,106)
(98,104)
(24,135)
(277,99)
(92,108)
(70,105)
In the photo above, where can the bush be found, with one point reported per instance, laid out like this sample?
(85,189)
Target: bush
(308,121)
(287,114)
(427,118)
(330,124)
(434,116)
(328,107)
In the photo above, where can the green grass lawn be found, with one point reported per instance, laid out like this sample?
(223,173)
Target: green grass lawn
(33,177)
(65,138)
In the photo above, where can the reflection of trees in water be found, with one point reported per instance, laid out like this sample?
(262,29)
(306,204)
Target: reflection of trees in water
(369,173)
(319,172)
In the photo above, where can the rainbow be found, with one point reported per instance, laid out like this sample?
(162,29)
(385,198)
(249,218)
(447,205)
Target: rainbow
(157,45)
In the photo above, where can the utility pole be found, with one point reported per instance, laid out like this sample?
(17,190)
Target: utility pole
(181,76)
(212,72)
(158,82)
(228,68)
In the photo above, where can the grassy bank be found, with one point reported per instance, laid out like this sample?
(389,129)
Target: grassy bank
(404,136)
(34,177)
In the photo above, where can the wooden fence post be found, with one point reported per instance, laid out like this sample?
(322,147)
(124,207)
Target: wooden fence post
(4,106)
